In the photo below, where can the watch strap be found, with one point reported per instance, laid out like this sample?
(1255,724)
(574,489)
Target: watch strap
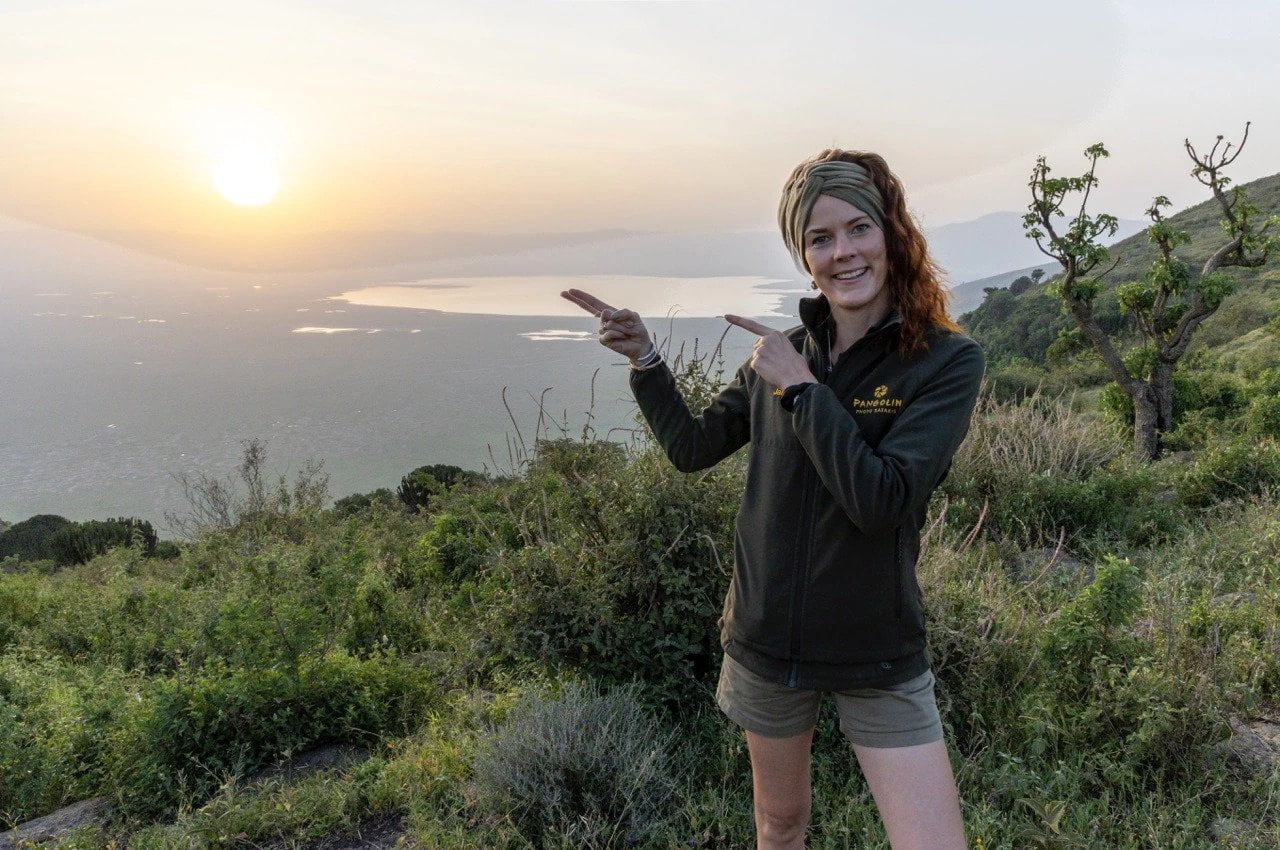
(791,393)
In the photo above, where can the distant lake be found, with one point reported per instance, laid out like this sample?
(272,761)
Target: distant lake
(540,296)
(104,395)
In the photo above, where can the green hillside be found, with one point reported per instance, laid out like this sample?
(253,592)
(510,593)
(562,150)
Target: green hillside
(1014,328)
(528,661)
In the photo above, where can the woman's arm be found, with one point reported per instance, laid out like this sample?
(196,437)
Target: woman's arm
(879,488)
(693,442)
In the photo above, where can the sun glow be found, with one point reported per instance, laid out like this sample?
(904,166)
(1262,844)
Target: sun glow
(246,176)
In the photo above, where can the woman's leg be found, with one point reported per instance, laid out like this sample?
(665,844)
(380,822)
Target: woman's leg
(780,789)
(915,792)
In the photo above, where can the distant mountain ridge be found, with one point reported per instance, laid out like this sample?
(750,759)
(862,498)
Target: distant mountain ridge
(978,252)
(967,250)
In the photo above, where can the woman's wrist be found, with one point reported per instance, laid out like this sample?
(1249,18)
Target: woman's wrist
(649,358)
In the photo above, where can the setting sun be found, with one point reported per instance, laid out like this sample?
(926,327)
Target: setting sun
(246,176)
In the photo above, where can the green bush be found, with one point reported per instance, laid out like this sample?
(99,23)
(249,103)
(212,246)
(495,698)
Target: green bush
(190,735)
(82,541)
(1263,416)
(1036,466)
(358,503)
(626,572)
(422,485)
(1231,470)
(582,768)
(1211,395)
(32,539)
(55,722)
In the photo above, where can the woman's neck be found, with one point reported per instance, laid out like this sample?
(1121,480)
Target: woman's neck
(852,325)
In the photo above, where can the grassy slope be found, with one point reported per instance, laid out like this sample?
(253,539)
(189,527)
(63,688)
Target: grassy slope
(1079,714)
(1240,314)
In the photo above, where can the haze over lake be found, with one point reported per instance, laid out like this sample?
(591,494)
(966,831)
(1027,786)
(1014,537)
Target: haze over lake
(121,369)
(108,393)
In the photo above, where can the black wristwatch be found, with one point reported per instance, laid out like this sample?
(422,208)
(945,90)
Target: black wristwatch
(791,393)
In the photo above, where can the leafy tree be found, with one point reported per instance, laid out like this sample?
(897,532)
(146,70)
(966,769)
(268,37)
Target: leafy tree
(1021,284)
(418,487)
(349,506)
(82,541)
(1169,303)
(32,539)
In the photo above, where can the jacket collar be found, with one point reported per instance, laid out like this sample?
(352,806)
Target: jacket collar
(815,313)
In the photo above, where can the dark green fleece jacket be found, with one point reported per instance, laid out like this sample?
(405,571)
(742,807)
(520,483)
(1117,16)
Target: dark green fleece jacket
(824,591)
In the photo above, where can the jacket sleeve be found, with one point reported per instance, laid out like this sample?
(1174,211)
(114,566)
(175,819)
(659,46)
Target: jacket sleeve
(693,442)
(880,488)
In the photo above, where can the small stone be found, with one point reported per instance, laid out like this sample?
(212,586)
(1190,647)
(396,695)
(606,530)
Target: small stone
(1254,746)
(1230,831)
(330,756)
(85,813)
(1029,564)
(1234,600)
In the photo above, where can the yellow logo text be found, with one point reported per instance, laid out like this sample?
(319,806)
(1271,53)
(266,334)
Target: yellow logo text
(880,403)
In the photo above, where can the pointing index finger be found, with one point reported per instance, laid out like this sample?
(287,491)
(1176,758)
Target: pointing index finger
(748,324)
(586,301)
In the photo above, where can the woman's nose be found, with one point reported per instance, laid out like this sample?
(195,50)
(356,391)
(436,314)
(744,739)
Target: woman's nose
(845,247)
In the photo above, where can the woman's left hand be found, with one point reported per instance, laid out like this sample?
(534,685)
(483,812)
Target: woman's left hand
(775,358)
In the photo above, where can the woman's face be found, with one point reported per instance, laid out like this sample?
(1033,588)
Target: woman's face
(846,254)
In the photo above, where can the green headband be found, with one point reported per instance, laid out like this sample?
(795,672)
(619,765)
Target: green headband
(847,181)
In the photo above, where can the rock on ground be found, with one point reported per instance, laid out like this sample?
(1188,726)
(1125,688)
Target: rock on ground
(85,813)
(1029,564)
(1254,745)
(311,762)
(384,833)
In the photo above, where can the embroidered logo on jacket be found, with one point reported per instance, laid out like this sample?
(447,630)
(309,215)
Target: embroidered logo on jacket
(880,403)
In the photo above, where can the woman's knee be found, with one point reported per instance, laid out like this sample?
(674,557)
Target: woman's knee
(782,822)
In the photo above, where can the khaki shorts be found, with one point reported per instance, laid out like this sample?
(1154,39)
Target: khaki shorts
(902,715)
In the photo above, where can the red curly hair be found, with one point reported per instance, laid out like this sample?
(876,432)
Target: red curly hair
(914,279)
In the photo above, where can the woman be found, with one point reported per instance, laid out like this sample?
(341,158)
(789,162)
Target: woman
(853,417)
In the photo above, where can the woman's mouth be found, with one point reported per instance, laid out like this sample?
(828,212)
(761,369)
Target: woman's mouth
(853,275)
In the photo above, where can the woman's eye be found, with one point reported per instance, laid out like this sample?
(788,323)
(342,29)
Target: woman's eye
(861,228)
(817,240)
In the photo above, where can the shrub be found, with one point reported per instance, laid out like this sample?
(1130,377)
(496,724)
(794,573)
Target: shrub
(1212,395)
(1231,470)
(1038,467)
(418,488)
(53,722)
(1091,624)
(584,768)
(189,736)
(1263,416)
(249,499)
(83,541)
(357,503)
(32,539)
(625,571)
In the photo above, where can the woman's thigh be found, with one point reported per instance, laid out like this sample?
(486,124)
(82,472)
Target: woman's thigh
(780,778)
(915,792)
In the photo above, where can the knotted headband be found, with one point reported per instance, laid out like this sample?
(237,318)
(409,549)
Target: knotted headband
(847,181)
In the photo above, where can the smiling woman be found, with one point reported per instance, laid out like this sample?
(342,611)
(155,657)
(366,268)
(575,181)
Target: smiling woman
(247,176)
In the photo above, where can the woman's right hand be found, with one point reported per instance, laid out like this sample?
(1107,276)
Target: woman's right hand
(620,330)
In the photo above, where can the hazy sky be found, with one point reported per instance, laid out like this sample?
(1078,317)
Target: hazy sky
(550,116)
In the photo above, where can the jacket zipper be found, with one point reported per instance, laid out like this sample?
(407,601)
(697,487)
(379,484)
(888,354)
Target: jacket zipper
(897,573)
(810,495)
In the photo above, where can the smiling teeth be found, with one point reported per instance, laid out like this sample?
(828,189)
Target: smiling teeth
(850,275)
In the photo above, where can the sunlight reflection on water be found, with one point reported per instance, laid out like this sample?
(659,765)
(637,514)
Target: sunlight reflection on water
(652,297)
